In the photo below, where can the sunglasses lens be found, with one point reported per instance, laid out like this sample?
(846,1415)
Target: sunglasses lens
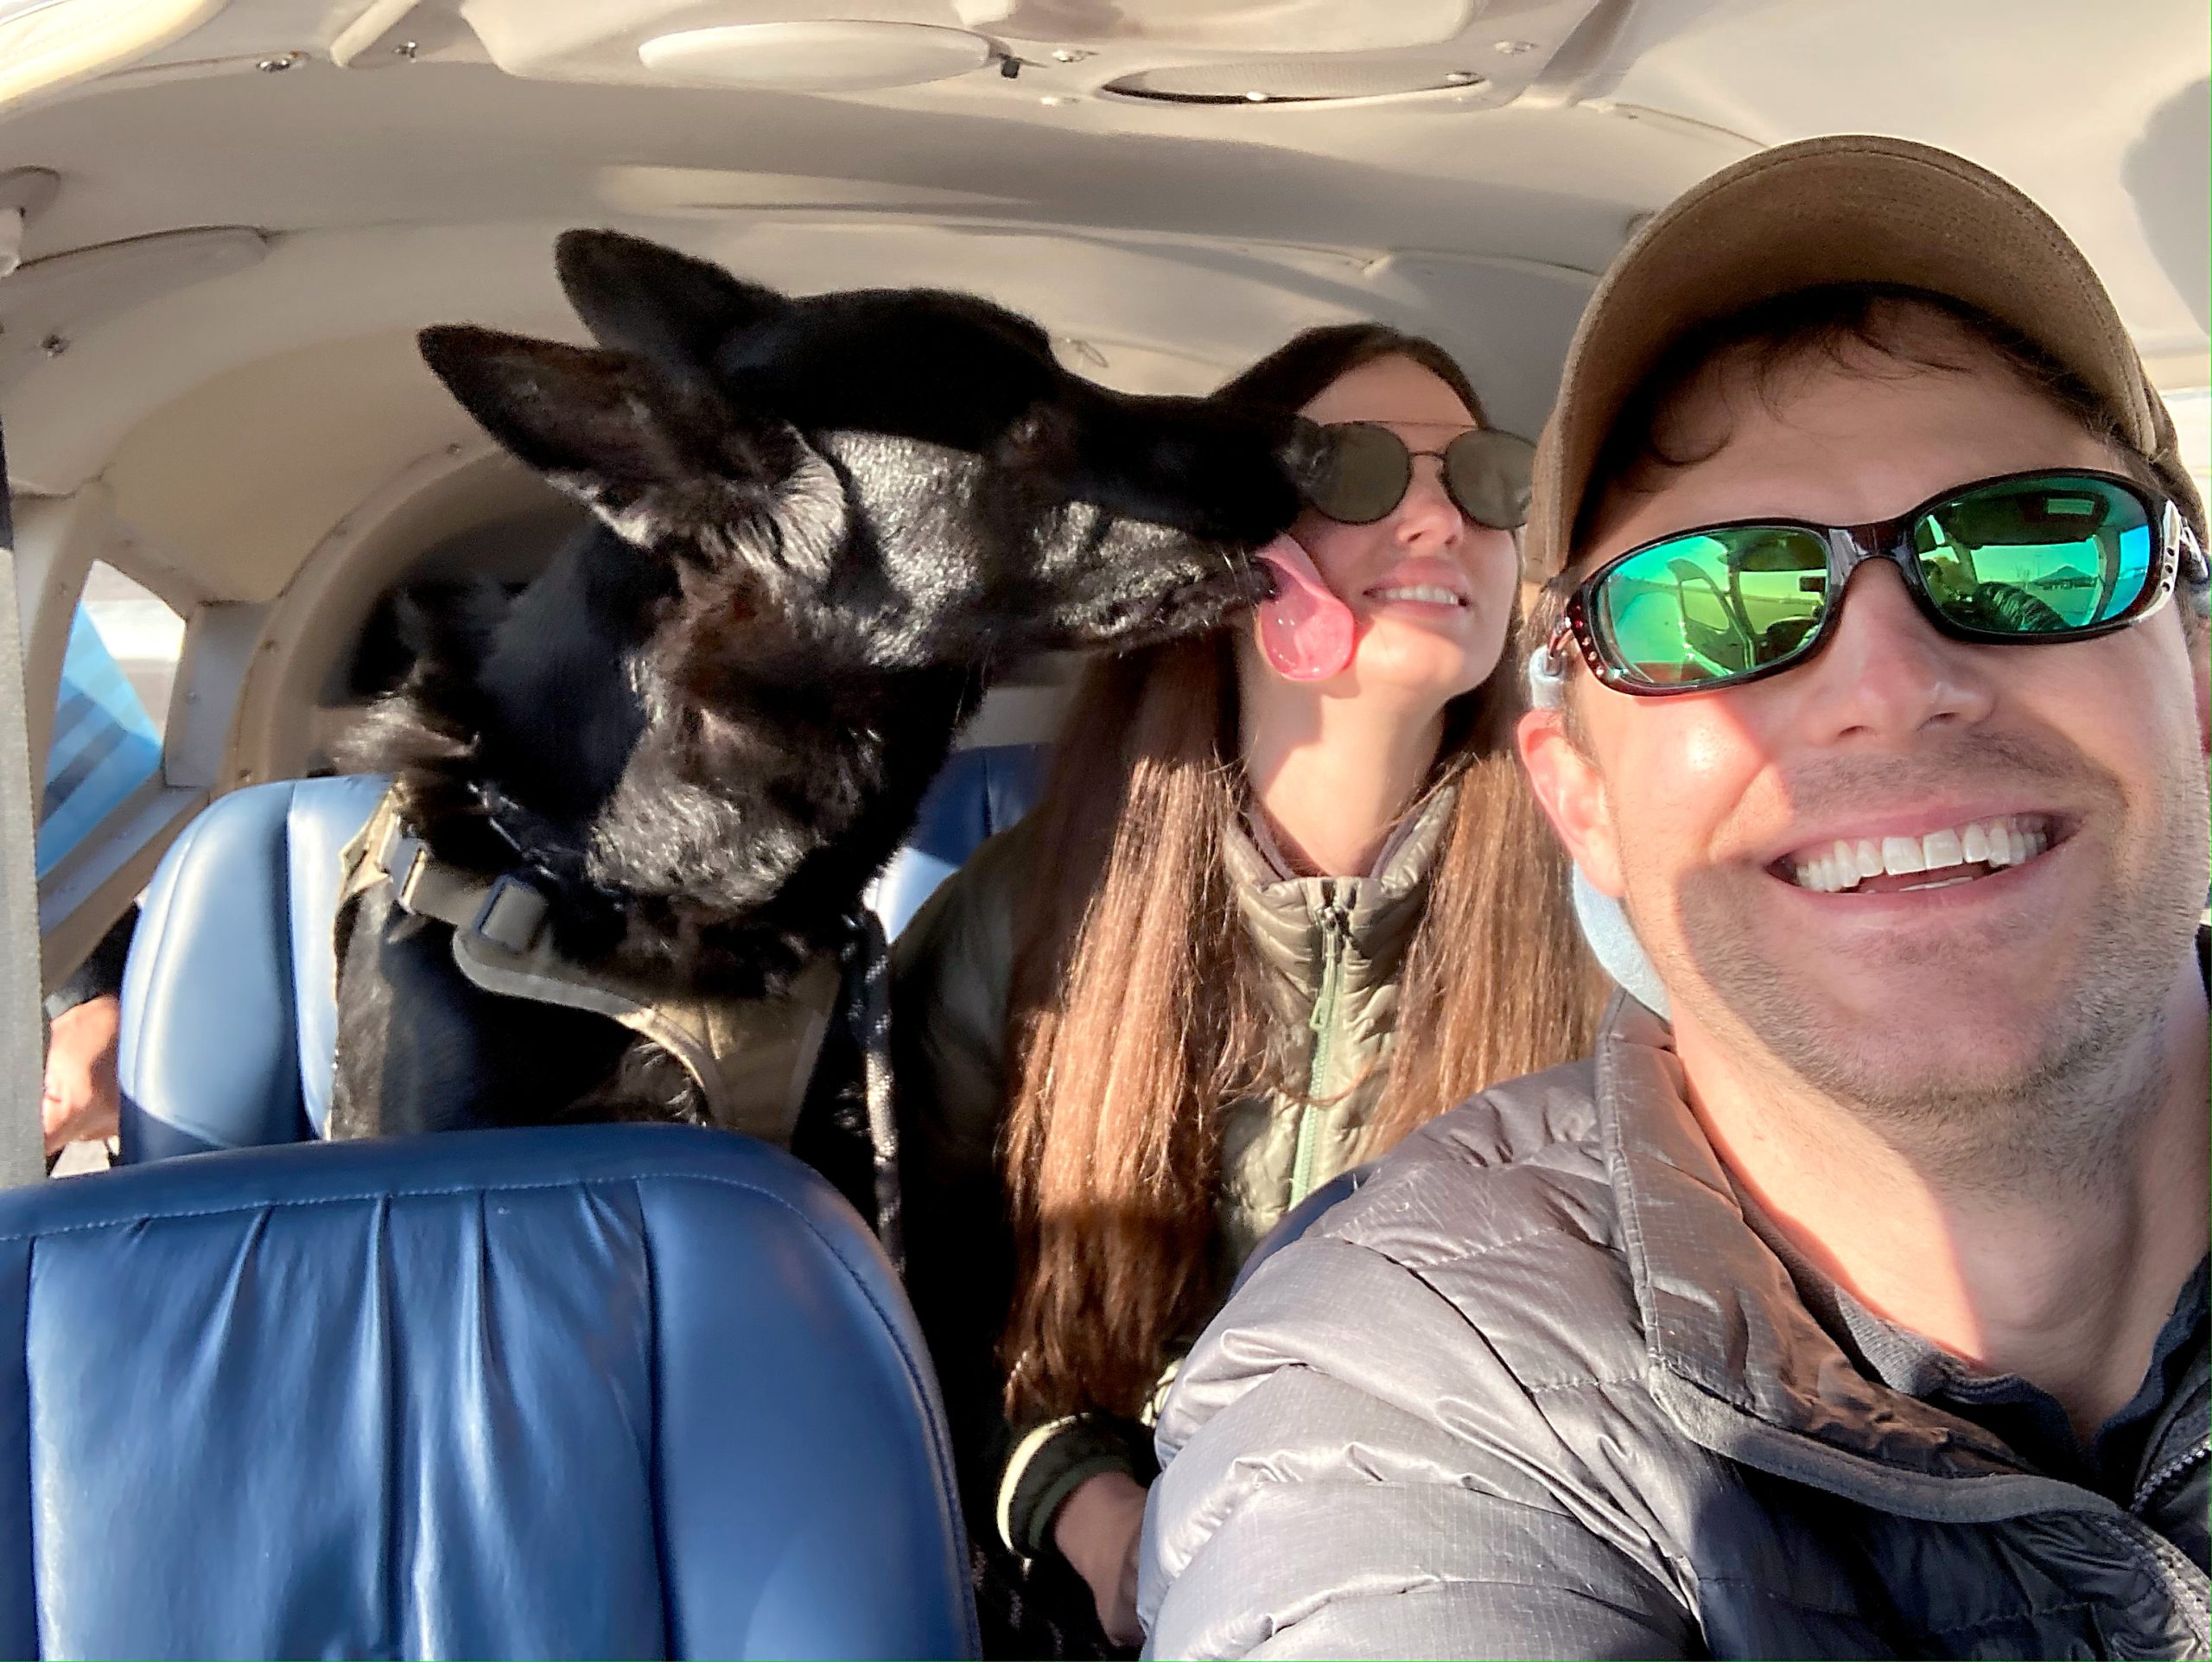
(2043,555)
(1363,474)
(1711,607)
(1488,473)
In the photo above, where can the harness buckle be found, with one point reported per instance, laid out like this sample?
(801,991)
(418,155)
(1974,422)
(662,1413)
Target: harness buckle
(513,914)
(405,860)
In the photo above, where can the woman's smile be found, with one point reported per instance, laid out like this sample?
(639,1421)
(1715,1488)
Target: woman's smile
(1423,586)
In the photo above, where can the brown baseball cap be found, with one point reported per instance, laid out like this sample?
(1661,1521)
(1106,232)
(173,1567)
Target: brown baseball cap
(1850,209)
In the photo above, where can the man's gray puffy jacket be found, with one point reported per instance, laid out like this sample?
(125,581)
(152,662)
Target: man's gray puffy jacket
(1539,1390)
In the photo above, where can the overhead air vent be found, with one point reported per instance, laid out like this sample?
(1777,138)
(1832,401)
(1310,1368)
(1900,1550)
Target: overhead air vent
(816,57)
(1309,79)
(1255,27)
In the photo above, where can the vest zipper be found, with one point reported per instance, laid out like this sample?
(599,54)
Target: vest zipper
(2177,1574)
(1335,936)
(2166,1474)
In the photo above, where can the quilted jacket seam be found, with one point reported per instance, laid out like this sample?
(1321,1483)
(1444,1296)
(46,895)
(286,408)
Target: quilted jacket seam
(2011,1618)
(1536,1388)
(1420,1273)
(1856,1614)
(1468,1255)
(1549,1507)
(1471,1256)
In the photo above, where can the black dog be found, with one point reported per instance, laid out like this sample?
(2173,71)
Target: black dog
(826,522)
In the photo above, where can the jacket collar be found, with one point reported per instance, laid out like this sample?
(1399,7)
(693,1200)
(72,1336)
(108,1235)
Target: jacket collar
(1740,1367)
(1288,917)
(1723,1321)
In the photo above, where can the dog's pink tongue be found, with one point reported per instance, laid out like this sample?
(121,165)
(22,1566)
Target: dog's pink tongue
(1305,630)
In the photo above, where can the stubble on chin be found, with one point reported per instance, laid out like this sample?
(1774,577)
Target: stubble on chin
(2054,1097)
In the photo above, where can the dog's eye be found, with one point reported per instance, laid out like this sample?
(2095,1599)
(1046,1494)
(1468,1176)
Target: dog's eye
(1037,434)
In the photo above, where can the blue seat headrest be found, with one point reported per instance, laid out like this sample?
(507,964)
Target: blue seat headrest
(978,793)
(229,999)
(229,1006)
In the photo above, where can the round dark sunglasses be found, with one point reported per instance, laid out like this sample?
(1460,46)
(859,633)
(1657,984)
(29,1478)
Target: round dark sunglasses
(2024,559)
(1364,469)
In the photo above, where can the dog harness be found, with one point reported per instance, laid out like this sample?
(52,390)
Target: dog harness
(751,1059)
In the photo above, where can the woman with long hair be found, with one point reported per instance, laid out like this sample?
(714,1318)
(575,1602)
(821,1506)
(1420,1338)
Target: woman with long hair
(1284,900)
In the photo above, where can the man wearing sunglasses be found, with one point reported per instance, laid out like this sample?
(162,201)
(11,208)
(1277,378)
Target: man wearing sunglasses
(1852,1299)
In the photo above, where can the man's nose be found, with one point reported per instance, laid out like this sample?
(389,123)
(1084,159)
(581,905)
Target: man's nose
(1886,673)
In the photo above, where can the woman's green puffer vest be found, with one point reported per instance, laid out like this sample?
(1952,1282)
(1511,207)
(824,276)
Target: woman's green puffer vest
(1333,950)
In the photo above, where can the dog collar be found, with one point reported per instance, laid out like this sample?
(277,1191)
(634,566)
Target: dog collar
(545,852)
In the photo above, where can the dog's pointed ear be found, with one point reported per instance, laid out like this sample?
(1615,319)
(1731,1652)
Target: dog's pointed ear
(562,409)
(655,454)
(637,296)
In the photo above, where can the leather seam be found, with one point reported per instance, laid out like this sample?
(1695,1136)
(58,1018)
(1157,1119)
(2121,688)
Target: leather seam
(917,1378)
(137,1219)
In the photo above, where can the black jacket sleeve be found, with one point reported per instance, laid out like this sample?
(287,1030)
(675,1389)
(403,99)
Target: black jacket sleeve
(100,975)
(952,967)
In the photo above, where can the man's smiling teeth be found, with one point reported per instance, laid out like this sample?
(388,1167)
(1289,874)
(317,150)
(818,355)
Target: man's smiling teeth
(1426,594)
(1958,855)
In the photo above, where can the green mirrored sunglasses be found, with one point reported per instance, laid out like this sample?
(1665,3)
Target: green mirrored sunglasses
(2028,559)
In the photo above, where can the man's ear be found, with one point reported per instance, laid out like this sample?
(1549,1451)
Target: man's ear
(1571,792)
(655,454)
(637,296)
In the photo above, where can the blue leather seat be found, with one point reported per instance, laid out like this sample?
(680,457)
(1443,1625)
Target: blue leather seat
(229,1016)
(599,1390)
(980,793)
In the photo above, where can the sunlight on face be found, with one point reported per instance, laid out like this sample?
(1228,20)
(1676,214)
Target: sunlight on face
(1414,649)
(1927,996)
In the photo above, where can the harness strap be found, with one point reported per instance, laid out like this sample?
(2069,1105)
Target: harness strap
(508,910)
(868,959)
(752,1060)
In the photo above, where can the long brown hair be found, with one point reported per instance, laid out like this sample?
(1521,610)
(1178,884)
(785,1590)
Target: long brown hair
(1136,1014)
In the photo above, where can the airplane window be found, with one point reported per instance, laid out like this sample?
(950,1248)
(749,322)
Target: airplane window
(113,704)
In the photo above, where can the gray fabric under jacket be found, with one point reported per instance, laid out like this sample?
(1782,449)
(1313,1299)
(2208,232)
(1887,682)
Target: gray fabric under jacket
(1540,1391)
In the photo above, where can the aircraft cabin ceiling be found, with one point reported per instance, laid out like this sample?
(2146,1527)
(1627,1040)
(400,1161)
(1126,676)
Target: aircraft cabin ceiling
(234,216)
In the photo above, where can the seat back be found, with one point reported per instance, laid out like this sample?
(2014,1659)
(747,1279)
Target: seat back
(229,1002)
(230,1014)
(588,1391)
(978,793)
